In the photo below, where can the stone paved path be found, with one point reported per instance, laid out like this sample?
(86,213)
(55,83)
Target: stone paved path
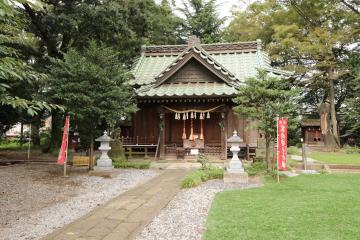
(126,215)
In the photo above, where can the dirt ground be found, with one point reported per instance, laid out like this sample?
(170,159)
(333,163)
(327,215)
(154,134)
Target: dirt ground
(36,199)
(28,188)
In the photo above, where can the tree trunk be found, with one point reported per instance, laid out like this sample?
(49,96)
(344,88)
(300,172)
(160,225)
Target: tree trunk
(91,153)
(35,131)
(55,132)
(21,132)
(267,151)
(332,108)
(325,125)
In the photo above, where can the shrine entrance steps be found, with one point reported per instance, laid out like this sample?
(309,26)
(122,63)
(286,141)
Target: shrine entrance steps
(180,165)
(190,158)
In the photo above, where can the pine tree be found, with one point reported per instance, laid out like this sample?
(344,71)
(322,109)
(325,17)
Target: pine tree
(263,98)
(202,20)
(91,85)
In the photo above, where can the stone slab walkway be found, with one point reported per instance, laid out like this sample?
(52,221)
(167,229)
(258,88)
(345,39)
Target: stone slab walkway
(126,215)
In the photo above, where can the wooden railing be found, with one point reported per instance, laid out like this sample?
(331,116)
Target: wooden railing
(138,140)
(207,150)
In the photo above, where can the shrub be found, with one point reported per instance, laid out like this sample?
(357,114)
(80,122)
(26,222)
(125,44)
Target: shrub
(352,150)
(192,179)
(203,160)
(45,139)
(215,173)
(195,178)
(13,145)
(323,171)
(256,168)
(273,173)
(293,150)
(117,150)
(121,163)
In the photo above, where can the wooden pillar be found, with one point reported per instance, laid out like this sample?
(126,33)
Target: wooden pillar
(162,135)
(247,152)
(224,136)
(146,153)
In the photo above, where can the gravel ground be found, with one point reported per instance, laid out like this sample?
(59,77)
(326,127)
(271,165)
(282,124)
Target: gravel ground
(35,200)
(185,216)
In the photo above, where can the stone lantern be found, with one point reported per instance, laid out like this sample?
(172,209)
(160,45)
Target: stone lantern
(235,171)
(104,162)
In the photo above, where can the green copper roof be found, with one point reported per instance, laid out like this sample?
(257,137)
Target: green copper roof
(242,65)
(188,89)
(148,67)
(233,61)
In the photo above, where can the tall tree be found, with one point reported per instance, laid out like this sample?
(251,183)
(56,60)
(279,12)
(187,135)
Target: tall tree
(351,111)
(164,26)
(20,85)
(202,20)
(91,85)
(124,25)
(263,98)
(315,42)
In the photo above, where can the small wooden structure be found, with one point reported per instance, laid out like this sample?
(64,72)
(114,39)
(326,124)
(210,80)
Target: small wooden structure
(311,132)
(185,98)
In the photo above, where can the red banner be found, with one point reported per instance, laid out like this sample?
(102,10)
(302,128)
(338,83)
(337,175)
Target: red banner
(282,126)
(64,142)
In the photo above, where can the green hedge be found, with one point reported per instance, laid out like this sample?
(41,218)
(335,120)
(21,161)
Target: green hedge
(120,163)
(195,178)
(351,150)
(293,150)
(257,168)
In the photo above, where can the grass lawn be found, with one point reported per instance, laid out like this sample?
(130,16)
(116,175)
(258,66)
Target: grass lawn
(13,145)
(336,157)
(305,207)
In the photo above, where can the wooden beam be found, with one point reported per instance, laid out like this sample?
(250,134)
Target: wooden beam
(162,135)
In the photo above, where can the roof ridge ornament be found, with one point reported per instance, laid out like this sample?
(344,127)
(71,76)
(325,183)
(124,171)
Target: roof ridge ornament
(193,41)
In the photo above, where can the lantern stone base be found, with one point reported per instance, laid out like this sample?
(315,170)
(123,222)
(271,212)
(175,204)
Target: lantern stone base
(235,177)
(99,172)
(105,163)
(103,168)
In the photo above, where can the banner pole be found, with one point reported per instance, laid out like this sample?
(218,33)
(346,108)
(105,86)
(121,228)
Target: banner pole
(67,144)
(28,153)
(277,149)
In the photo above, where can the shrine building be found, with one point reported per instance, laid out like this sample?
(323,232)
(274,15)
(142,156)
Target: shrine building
(184,96)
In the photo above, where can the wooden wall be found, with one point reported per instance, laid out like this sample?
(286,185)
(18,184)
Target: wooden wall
(211,129)
(193,71)
(246,128)
(146,123)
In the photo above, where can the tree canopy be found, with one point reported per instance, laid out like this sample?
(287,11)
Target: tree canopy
(315,42)
(202,20)
(91,84)
(49,29)
(264,98)
(21,85)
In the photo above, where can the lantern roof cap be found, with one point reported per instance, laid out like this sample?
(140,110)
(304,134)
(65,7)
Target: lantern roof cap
(104,138)
(235,138)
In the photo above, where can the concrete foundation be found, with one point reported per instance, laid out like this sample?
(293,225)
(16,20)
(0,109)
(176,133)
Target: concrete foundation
(236,177)
(102,172)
